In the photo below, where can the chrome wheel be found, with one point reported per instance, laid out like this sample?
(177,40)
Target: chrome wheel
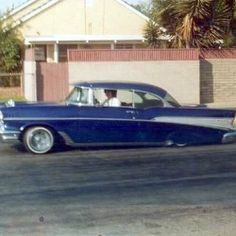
(179,139)
(180,144)
(38,140)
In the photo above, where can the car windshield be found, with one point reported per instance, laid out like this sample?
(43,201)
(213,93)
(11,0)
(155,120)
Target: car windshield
(79,96)
(171,100)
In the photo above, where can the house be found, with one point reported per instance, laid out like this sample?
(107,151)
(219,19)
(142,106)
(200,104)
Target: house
(51,27)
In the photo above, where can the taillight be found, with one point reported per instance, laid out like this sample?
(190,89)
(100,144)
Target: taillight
(234,121)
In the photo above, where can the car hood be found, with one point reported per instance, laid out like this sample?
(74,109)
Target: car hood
(12,103)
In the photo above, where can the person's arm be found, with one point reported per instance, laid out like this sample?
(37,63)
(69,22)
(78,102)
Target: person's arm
(114,102)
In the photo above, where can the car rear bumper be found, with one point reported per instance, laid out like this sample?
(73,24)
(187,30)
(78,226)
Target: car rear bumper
(229,137)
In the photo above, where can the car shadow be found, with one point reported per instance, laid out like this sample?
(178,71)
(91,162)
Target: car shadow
(64,148)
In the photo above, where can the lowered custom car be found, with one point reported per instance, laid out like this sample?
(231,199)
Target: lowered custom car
(146,116)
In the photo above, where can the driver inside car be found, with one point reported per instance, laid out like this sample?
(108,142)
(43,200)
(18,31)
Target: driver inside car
(112,100)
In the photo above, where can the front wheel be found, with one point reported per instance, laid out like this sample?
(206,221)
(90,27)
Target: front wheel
(38,140)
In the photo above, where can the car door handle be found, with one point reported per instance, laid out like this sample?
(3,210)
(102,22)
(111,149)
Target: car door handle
(130,112)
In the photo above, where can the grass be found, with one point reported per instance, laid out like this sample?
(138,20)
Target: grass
(15,98)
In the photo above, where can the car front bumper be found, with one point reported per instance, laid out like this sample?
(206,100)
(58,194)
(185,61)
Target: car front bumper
(8,135)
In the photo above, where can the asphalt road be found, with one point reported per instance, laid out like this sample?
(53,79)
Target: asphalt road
(119,192)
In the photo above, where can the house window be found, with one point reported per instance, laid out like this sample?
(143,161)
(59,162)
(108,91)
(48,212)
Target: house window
(85,46)
(63,51)
(123,46)
(40,53)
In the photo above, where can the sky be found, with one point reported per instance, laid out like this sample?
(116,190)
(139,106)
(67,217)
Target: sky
(5,4)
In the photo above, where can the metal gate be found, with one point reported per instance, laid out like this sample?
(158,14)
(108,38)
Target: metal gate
(52,81)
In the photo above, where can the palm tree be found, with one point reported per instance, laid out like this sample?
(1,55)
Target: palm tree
(230,39)
(195,23)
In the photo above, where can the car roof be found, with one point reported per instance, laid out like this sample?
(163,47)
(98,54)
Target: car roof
(123,85)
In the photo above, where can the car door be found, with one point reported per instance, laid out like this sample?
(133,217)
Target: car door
(106,125)
(99,124)
(147,108)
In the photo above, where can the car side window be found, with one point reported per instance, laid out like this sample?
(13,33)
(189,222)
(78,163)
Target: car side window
(79,96)
(145,100)
(124,96)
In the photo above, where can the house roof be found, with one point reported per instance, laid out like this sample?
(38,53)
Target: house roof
(32,8)
(45,5)
(33,12)
(86,38)
(83,38)
(22,6)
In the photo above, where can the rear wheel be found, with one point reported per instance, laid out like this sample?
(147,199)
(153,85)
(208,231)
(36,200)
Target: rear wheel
(180,144)
(39,140)
(180,139)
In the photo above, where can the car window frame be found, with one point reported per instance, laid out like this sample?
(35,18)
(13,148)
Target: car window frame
(92,89)
(153,94)
(90,93)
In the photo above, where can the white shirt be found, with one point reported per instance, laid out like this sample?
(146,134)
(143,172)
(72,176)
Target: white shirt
(112,102)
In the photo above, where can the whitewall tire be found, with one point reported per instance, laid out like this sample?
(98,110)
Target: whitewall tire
(38,140)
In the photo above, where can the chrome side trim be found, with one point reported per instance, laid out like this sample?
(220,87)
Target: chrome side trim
(213,122)
(219,122)
(70,142)
(64,118)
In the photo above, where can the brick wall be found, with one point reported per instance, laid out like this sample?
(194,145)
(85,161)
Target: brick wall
(176,70)
(133,55)
(180,78)
(218,80)
(191,76)
(206,82)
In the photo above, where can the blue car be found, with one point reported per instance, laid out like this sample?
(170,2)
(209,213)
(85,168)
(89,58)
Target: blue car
(114,114)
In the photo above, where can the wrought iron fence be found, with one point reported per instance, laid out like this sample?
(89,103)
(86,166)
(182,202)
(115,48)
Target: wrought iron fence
(11,84)
(11,79)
